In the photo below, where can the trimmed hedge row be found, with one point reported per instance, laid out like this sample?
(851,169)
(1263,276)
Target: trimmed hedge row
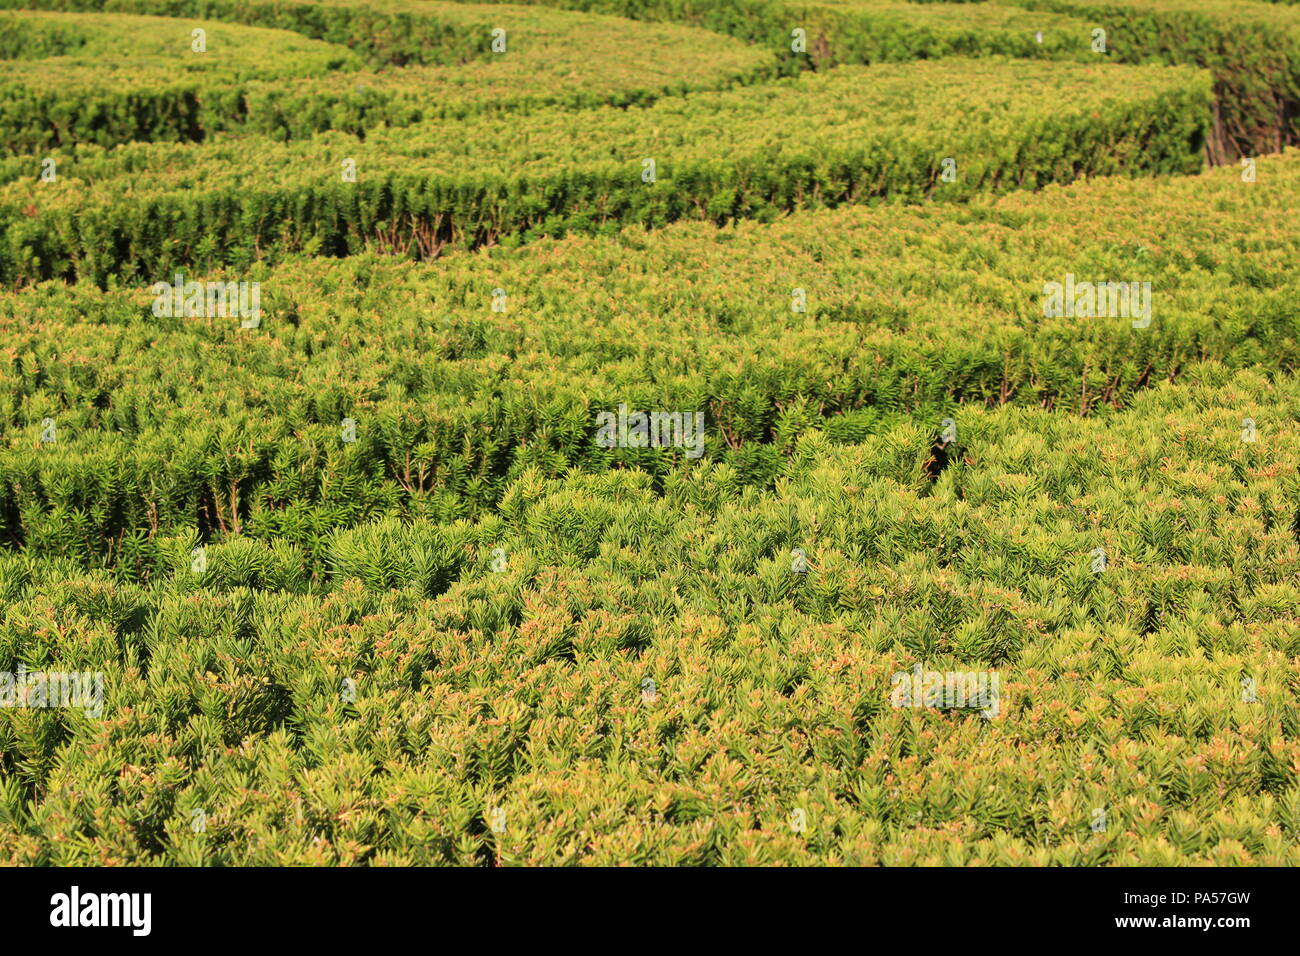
(169,423)
(874,31)
(648,678)
(877,31)
(117,79)
(1253,49)
(139,80)
(140,212)
(360,577)
(385,32)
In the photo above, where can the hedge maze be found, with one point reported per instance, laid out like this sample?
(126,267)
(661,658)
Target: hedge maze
(707,432)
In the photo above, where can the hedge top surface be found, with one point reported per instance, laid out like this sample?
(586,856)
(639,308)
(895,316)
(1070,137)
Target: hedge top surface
(1250,46)
(911,311)
(541,41)
(852,106)
(981,17)
(850,135)
(393,483)
(671,704)
(867,31)
(109,56)
(1194,31)
(61,50)
(1222,11)
(385,31)
(1217,251)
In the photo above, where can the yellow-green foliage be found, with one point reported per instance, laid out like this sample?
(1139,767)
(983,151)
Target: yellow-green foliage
(524,688)
(867,31)
(113,78)
(911,312)
(1253,49)
(849,135)
(363,585)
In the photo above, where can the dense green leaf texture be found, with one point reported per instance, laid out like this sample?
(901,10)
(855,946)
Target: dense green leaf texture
(1252,48)
(850,135)
(382,720)
(197,424)
(109,79)
(364,578)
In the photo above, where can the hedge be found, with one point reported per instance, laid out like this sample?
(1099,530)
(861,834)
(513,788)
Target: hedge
(1253,49)
(386,32)
(137,78)
(911,313)
(142,211)
(648,679)
(865,31)
(364,585)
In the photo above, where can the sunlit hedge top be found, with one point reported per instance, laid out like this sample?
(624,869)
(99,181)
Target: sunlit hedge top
(910,312)
(819,139)
(115,78)
(1159,688)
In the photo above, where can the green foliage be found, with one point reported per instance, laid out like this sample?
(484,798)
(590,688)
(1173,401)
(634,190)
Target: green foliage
(121,79)
(196,423)
(1253,50)
(364,587)
(522,689)
(386,32)
(865,31)
(141,211)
